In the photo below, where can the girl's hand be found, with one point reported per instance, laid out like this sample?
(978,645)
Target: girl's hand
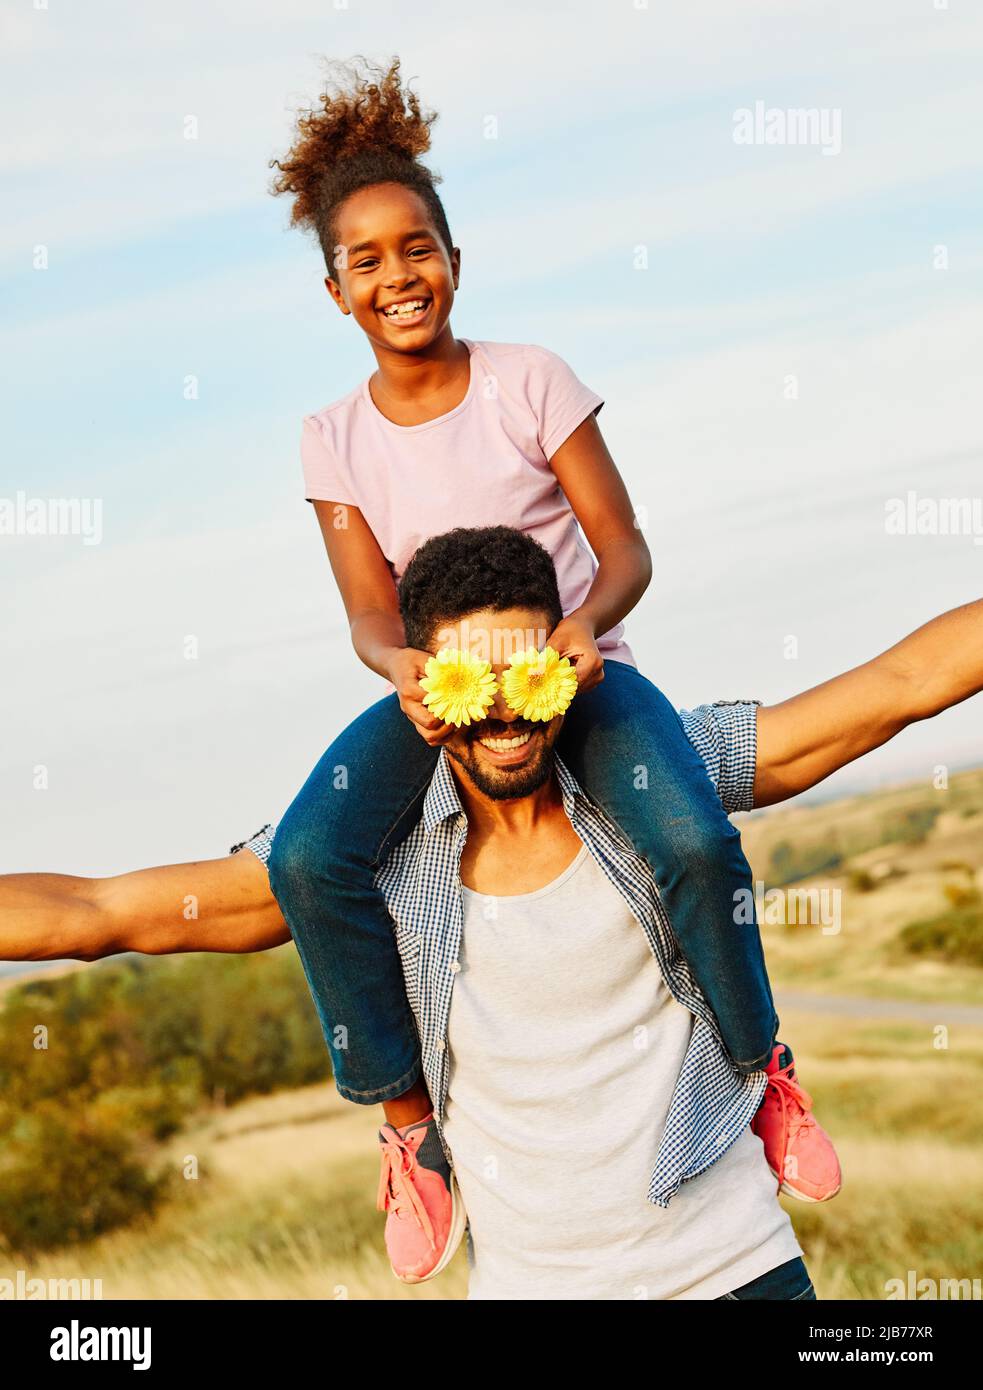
(406,668)
(574,638)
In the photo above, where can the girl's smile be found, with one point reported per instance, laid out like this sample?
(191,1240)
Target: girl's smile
(407,312)
(396,277)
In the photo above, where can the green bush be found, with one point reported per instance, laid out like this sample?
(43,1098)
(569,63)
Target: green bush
(129,1049)
(789,862)
(65,1178)
(953,936)
(189,1025)
(909,826)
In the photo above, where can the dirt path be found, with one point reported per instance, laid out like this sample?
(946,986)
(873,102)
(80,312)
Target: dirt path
(859,1007)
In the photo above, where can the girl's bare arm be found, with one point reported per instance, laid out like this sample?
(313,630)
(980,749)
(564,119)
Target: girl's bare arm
(365,583)
(596,491)
(368,592)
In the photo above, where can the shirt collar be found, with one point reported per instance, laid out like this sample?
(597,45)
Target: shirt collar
(442,800)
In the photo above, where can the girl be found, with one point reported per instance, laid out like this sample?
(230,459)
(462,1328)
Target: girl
(452,432)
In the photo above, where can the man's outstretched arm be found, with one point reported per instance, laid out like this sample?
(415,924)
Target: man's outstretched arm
(214,905)
(804,739)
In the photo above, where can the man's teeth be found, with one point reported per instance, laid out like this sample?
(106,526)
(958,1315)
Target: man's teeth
(401,311)
(500,744)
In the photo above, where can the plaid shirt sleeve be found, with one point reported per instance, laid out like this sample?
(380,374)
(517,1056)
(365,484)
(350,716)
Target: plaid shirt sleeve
(725,734)
(261,843)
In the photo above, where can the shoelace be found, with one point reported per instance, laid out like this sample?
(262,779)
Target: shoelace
(397,1190)
(793,1099)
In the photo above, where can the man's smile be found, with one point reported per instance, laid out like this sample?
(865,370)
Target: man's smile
(500,743)
(510,747)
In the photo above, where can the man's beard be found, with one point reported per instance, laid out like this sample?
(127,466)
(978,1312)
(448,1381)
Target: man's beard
(506,783)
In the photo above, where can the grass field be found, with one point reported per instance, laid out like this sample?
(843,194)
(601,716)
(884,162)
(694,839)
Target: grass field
(283,1206)
(882,886)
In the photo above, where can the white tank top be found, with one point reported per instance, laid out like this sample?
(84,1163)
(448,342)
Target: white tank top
(565,1047)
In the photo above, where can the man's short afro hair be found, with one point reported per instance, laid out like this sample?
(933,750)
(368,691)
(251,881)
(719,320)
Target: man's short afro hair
(471,568)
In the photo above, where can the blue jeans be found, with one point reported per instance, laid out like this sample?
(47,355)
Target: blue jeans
(789,1281)
(366,795)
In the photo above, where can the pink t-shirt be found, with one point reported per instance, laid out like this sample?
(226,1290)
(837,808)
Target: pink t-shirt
(484,463)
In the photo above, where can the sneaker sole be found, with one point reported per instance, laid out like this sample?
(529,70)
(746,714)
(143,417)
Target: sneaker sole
(459,1219)
(802,1196)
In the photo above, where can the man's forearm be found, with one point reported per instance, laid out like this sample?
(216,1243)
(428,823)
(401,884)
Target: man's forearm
(941,663)
(211,905)
(53,917)
(805,739)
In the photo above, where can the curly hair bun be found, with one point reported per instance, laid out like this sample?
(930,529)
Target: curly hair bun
(367,128)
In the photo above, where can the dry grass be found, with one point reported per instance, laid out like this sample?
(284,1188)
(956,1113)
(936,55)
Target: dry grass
(862,957)
(284,1206)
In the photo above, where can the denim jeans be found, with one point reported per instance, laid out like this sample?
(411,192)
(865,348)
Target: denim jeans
(366,795)
(789,1281)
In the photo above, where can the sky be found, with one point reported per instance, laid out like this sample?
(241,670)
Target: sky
(787,335)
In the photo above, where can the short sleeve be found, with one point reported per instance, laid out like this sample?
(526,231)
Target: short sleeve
(327,478)
(563,403)
(725,735)
(261,843)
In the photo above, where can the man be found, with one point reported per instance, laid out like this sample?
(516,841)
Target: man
(597,1129)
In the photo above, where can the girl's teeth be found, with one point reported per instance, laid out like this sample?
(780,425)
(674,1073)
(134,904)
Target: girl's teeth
(405,310)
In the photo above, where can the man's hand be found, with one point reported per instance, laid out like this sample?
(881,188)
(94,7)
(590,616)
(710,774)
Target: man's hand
(407,667)
(806,738)
(574,638)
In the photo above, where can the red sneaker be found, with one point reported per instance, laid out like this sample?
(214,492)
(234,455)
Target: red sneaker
(425,1216)
(799,1151)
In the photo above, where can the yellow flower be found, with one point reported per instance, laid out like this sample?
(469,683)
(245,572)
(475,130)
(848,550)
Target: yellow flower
(540,685)
(460,686)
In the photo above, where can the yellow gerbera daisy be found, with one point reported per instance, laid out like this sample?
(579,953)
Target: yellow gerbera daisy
(540,685)
(460,686)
